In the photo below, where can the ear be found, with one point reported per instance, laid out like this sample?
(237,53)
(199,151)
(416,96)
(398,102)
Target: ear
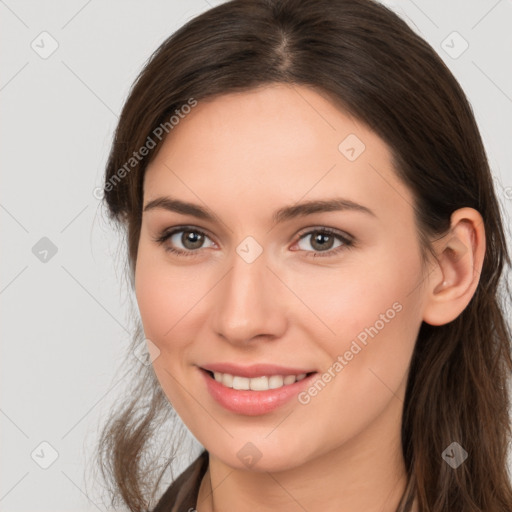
(454,277)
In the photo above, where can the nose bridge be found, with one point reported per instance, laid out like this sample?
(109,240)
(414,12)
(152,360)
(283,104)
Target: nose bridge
(247,302)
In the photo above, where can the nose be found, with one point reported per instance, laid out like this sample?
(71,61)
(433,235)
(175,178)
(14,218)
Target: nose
(249,303)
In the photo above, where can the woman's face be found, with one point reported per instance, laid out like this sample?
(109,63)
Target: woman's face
(254,287)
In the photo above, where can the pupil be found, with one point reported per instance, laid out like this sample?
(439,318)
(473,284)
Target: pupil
(193,238)
(322,240)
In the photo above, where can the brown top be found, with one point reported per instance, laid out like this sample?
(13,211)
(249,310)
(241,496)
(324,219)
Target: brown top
(182,493)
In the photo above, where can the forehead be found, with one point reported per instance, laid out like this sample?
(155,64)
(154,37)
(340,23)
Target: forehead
(279,142)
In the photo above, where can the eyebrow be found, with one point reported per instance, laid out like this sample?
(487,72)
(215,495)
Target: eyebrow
(281,215)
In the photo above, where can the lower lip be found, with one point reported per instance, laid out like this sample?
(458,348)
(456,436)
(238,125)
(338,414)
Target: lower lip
(253,403)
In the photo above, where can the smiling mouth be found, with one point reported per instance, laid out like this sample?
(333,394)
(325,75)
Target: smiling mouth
(260,383)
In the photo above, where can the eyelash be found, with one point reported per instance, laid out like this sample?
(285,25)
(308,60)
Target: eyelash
(348,243)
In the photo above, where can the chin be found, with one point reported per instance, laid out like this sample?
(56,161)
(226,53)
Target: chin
(261,457)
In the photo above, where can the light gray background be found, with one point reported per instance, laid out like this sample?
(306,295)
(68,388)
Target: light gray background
(65,321)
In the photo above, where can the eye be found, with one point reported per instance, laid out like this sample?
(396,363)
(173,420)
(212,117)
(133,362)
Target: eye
(191,238)
(322,240)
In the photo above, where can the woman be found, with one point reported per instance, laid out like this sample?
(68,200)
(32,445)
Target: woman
(316,248)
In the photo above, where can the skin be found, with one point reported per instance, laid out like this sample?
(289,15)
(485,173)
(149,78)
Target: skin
(243,156)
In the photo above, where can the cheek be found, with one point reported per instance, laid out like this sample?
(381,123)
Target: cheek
(374,320)
(368,308)
(162,309)
(153,301)
(161,296)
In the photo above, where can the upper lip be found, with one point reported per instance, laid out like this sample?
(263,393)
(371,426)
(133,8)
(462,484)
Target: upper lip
(255,370)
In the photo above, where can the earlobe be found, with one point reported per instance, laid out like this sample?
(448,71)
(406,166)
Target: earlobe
(456,273)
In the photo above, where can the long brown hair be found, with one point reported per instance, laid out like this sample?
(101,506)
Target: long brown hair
(377,69)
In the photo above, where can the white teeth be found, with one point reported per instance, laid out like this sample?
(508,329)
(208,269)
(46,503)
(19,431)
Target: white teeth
(227,380)
(259,383)
(275,381)
(240,382)
(289,379)
(262,383)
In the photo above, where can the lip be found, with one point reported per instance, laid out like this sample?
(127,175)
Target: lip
(255,370)
(254,403)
